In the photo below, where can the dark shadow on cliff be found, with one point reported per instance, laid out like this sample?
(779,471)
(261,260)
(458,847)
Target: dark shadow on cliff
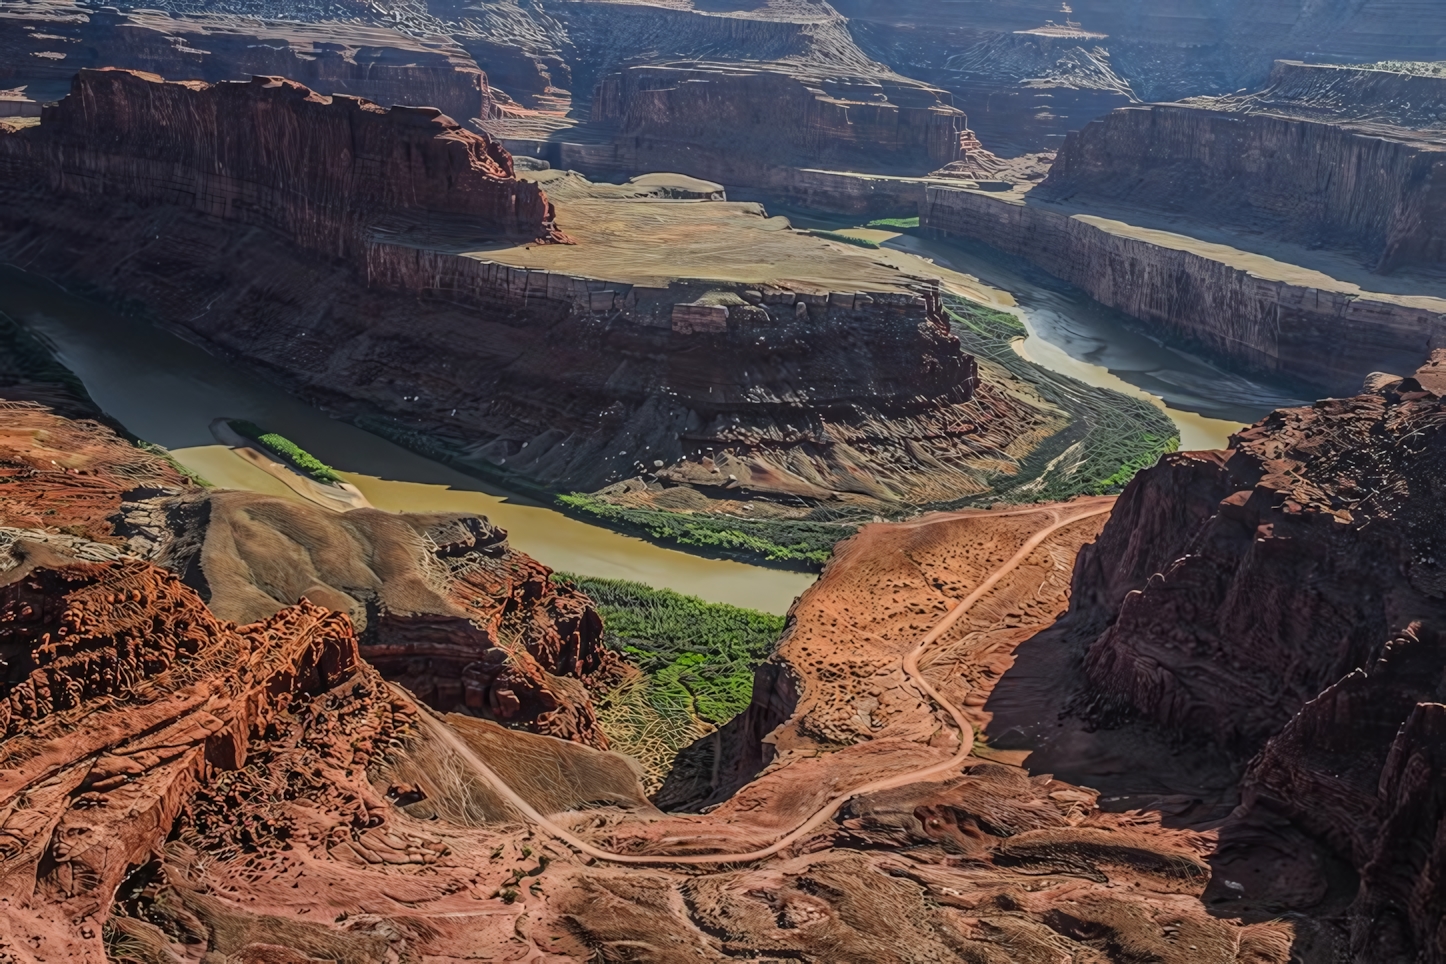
(1043,704)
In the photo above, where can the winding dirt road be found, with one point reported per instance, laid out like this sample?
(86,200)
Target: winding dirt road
(1060,517)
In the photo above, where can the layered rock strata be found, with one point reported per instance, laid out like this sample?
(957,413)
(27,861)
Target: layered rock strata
(45,43)
(702,114)
(320,171)
(1280,601)
(1262,314)
(1028,73)
(1323,156)
(378,287)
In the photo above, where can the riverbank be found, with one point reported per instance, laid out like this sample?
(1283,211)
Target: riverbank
(167,391)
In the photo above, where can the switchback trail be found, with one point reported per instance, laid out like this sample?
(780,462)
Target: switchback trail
(449,736)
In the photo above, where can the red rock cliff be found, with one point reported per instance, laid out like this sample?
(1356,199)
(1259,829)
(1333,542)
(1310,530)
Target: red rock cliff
(275,154)
(1284,600)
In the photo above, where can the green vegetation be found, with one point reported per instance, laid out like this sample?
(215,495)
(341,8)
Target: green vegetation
(1112,436)
(787,541)
(897,224)
(845,239)
(288,450)
(697,660)
(698,655)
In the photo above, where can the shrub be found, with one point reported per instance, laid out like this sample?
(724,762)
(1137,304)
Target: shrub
(288,450)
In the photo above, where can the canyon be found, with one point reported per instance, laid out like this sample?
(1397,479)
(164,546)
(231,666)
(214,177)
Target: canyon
(169,804)
(1061,692)
(621,88)
(610,336)
(171,773)
(1305,247)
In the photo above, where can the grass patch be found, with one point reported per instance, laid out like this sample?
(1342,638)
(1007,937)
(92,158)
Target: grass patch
(808,544)
(845,239)
(1113,437)
(697,660)
(288,450)
(896,224)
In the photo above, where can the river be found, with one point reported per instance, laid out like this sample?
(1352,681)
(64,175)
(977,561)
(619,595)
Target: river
(167,391)
(1074,335)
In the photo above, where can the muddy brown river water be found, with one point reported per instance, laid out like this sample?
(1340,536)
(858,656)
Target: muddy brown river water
(167,391)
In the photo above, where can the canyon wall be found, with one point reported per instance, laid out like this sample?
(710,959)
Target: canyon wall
(48,43)
(354,288)
(1250,311)
(279,156)
(1378,193)
(1281,602)
(678,116)
(1026,85)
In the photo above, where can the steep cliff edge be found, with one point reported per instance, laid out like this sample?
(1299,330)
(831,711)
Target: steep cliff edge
(1349,158)
(399,282)
(1279,603)
(1270,309)
(44,43)
(321,171)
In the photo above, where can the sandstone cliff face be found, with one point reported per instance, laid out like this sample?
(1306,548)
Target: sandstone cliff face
(1303,325)
(320,171)
(1258,167)
(375,61)
(1307,549)
(1281,601)
(677,116)
(559,378)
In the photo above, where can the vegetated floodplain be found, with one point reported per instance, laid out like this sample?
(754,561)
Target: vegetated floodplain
(697,660)
(1112,436)
(288,450)
(804,544)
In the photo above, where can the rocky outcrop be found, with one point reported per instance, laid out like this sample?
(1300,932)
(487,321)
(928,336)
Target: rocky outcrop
(711,120)
(1252,311)
(320,171)
(441,604)
(1281,163)
(169,696)
(1288,564)
(47,43)
(1278,602)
